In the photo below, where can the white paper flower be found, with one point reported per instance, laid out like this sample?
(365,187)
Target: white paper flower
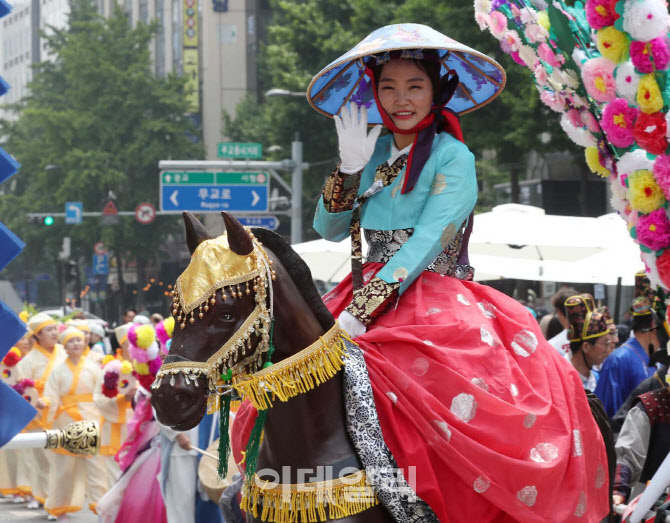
(483,6)
(527,54)
(645,19)
(627,81)
(634,161)
(579,135)
(649,259)
(579,56)
(618,199)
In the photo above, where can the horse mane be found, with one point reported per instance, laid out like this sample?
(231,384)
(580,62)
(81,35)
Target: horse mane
(299,272)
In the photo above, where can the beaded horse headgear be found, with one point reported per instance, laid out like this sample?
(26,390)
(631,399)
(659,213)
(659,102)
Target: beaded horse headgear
(216,267)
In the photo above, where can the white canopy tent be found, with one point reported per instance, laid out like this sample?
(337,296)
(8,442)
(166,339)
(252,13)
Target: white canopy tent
(520,242)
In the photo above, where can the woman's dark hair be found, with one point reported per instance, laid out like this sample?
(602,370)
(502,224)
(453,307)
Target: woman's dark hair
(430,65)
(554,328)
(642,322)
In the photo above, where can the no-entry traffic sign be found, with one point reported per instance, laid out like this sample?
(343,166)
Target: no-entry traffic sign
(145,213)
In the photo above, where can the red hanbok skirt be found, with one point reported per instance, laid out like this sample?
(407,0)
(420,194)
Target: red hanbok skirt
(486,419)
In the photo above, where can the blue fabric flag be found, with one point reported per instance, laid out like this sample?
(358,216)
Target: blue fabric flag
(15,413)
(10,246)
(12,329)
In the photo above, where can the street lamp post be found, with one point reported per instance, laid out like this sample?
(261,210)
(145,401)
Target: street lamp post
(296,191)
(296,177)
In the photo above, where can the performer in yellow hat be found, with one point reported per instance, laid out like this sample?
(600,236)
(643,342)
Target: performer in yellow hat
(70,392)
(37,365)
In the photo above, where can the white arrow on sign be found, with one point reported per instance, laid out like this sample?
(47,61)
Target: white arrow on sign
(256,198)
(77,211)
(173,198)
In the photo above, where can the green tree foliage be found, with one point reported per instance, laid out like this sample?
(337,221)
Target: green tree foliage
(101,120)
(306,35)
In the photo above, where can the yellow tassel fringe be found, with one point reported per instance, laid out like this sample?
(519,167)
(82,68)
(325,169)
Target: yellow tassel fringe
(318,501)
(297,374)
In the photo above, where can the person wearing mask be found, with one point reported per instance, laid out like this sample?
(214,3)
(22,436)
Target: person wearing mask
(631,363)
(560,341)
(589,336)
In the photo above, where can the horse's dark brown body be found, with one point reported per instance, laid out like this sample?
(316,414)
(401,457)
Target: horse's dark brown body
(306,432)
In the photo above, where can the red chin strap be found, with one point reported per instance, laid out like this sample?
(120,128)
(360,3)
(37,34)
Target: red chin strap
(450,125)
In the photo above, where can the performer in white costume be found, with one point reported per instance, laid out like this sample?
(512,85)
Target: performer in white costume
(69,390)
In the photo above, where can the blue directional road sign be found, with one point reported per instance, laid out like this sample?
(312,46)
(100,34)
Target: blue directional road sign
(100,264)
(267,222)
(74,212)
(213,198)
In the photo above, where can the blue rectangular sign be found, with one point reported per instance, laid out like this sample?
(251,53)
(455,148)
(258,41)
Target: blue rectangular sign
(100,264)
(267,222)
(74,212)
(213,198)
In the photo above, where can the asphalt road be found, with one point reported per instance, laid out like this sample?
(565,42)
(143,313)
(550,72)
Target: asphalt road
(18,512)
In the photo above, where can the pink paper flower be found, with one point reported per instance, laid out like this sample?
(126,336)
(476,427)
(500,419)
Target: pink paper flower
(600,13)
(653,230)
(617,121)
(510,42)
(598,76)
(546,54)
(536,33)
(541,77)
(662,174)
(498,24)
(650,56)
(553,100)
(590,121)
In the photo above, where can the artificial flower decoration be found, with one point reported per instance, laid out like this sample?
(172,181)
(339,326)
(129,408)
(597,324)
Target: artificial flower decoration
(12,357)
(653,230)
(663,268)
(649,132)
(600,13)
(110,383)
(632,161)
(662,173)
(543,20)
(617,121)
(555,101)
(535,33)
(645,19)
(649,96)
(618,199)
(510,42)
(613,44)
(644,194)
(627,82)
(498,24)
(143,346)
(598,77)
(577,134)
(593,162)
(651,56)
(546,54)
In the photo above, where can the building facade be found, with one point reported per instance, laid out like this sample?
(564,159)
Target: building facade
(214,43)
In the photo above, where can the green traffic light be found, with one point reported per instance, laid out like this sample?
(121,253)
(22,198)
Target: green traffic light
(48,220)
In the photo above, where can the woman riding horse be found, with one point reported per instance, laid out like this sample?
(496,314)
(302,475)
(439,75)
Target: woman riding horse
(450,382)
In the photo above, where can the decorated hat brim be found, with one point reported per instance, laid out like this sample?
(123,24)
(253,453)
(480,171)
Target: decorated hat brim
(482,79)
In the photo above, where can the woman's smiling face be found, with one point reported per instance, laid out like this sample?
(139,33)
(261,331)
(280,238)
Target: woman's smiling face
(405,92)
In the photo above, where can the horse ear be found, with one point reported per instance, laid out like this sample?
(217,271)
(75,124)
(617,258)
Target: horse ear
(195,232)
(239,240)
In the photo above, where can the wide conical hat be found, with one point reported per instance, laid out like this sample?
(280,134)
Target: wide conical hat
(481,78)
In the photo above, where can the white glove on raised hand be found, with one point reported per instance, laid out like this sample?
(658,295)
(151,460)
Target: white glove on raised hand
(351,325)
(356,145)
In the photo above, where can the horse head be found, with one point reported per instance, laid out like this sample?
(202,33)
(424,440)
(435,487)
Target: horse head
(222,304)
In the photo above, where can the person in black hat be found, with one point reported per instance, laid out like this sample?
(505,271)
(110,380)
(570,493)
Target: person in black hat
(631,363)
